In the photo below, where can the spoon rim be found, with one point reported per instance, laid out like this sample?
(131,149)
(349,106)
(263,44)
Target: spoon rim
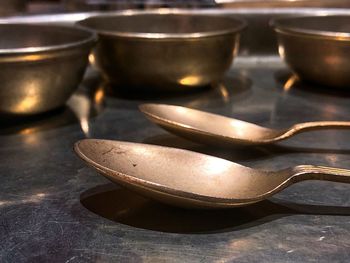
(198,131)
(137,182)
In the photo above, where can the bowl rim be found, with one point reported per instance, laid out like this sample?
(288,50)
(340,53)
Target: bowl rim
(163,36)
(91,38)
(299,31)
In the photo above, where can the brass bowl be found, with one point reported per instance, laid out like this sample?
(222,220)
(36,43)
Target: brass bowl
(41,66)
(164,51)
(317,48)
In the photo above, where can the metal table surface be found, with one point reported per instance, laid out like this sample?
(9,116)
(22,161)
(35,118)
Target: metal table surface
(55,208)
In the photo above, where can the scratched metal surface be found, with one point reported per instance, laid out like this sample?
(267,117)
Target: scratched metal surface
(54,208)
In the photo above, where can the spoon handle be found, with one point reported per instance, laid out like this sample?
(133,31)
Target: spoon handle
(320,125)
(323,173)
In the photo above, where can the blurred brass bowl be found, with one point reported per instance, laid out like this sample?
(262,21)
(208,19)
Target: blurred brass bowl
(316,48)
(164,51)
(41,66)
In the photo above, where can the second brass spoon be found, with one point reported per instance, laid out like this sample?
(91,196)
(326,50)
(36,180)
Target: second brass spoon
(213,129)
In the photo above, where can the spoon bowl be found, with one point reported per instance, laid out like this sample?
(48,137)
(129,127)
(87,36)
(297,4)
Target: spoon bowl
(189,179)
(213,129)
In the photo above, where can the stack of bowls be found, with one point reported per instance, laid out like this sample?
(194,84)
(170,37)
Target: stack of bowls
(42,65)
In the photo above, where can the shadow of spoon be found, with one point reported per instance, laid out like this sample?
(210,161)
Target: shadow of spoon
(124,207)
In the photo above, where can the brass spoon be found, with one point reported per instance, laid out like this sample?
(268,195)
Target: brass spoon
(190,179)
(213,129)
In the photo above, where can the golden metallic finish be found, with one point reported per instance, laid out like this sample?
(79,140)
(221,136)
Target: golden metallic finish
(164,50)
(189,179)
(41,66)
(316,48)
(212,129)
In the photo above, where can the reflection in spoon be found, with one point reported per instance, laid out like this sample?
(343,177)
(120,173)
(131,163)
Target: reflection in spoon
(190,179)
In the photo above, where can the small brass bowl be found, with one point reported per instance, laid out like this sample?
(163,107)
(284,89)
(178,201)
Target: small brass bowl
(164,51)
(41,66)
(317,48)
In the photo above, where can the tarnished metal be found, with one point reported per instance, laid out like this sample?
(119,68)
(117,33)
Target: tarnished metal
(213,129)
(316,48)
(164,50)
(41,66)
(190,179)
(257,41)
